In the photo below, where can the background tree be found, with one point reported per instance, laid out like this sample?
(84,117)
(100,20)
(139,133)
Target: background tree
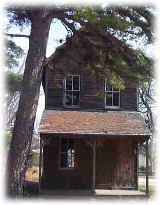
(14,80)
(124,23)
(146,106)
(14,83)
(13,54)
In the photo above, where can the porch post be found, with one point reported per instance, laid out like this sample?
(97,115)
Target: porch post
(94,165)
(147,167)
(137,165)
(40,163)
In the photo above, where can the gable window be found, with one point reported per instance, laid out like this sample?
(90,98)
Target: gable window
(112,96)
(72,90)
(67,153)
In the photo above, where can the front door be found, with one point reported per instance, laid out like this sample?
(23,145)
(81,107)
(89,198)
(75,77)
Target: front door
(105,164)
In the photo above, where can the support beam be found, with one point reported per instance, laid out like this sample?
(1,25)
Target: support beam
(137,164)
(40,164)
(94,166)
(147,167)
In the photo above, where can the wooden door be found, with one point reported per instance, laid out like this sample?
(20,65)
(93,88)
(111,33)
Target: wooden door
(105,164)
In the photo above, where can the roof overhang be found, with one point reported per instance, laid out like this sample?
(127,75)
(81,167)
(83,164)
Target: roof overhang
(107,123)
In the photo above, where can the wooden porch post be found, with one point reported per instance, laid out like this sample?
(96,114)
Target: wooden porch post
(94,165)
(137,165)
(40,163)
(147,167)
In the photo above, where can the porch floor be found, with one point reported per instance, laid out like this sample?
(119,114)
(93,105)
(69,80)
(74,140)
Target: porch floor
(97,193)
(118,192)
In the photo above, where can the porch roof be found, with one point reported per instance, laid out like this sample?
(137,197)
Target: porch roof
(92,123)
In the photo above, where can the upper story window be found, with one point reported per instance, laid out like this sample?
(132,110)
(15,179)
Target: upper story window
(72,90)
(67,153)
(112,96)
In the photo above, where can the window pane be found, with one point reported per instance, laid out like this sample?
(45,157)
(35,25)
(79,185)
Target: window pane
(67,153)
(69,83)
(75,97)
(72,161)
(109,99)
(108,87)
(70,157)
(64,160)
(116,99)
(75,82)
(68,98)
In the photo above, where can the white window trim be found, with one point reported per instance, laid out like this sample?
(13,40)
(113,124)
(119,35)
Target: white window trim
(60,155)
(73,90)
(106,91)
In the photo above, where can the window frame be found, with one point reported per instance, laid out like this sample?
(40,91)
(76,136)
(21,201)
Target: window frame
(61,153)
(72,91)
(112,92)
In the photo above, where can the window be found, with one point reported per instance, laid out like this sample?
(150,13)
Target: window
(112,96)
(72,90)
(67,153)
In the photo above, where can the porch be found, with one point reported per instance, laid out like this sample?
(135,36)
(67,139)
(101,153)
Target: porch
(106,162)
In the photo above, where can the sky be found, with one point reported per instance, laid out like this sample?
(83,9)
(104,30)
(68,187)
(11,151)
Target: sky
(57,32)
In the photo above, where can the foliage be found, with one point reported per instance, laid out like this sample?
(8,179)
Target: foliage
(14,81)
(117,82)
(102,18)
(125,22)
(19,16)
(13,54)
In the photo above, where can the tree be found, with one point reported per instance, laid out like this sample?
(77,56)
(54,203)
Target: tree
(147,100)
(14,78)
(13,54)
(14,83)
(110,19)
(20,146)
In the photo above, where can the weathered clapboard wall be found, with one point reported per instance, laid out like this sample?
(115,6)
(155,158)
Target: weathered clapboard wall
(115,165)
(91,94)
(56,178)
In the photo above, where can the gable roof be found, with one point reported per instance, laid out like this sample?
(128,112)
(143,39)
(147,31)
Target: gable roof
(97,51)
(88,45)
(93,123)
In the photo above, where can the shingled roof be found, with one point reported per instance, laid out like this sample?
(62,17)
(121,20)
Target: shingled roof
(88,123)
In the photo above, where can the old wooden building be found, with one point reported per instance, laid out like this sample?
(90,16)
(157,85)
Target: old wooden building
(90,130)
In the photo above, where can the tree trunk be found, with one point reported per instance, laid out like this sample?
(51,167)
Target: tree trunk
(25,117)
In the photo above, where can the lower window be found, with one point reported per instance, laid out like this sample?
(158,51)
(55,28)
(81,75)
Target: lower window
(67,153)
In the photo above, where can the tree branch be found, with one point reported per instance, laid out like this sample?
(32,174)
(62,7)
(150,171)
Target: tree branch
(17,35)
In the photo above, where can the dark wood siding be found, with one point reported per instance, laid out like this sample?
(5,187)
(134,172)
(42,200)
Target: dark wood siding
(91,94)
(115,165)
(56,178)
